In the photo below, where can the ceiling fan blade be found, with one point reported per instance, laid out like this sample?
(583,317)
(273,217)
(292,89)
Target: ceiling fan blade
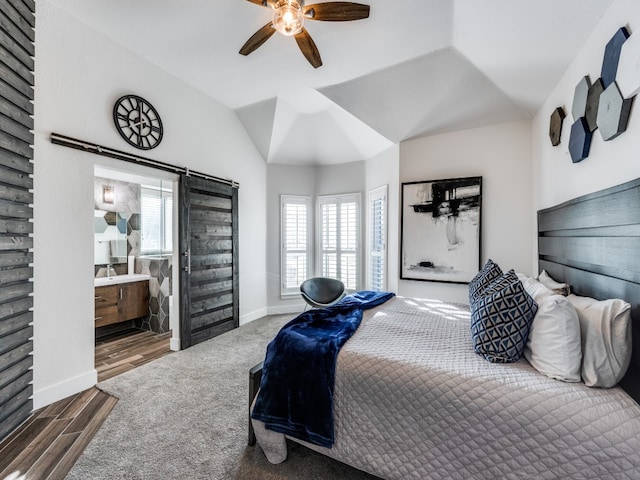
(308,48)
(258,39)
(336,11)
(262,3)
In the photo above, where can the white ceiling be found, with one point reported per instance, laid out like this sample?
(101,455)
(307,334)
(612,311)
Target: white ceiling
(413,68)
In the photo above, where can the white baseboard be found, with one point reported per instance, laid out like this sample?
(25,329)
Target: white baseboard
(250,317)
(53,393)
(174,344)
(282,309)
(277,310)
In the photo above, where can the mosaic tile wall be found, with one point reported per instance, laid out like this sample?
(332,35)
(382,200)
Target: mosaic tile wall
(159,269)
(127,202)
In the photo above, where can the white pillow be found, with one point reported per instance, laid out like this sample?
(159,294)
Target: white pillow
(534,288)
(605,328)
(551,284)
(554,346)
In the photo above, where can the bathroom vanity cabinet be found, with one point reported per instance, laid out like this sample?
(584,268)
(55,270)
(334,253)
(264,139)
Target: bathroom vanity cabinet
(121,302)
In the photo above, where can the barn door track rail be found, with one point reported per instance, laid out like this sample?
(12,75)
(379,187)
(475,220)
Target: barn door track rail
(90,147)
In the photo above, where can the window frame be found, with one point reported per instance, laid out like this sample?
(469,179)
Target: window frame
(340,199)
(285,199)
(165,194)
(373,195)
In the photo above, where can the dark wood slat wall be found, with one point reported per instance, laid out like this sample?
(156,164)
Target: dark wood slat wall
(17,22)
(210,299)
(593,243)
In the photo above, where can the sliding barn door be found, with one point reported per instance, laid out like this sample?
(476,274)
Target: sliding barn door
(17,20)
(208,260)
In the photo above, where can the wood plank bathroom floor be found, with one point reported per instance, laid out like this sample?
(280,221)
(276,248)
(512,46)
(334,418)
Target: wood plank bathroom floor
(48,444)
(128,351)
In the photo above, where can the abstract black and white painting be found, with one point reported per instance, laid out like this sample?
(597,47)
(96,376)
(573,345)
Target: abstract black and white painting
(441,230)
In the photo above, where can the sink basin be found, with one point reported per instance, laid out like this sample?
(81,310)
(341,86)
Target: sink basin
(116,279)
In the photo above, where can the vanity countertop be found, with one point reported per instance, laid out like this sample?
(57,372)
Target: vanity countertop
(116,279)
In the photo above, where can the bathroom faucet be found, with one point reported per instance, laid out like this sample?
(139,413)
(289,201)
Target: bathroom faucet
(109,270)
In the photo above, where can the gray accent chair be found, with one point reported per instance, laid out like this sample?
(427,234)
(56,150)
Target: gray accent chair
(321,292)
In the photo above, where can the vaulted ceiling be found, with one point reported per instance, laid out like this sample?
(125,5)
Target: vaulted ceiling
(413,68)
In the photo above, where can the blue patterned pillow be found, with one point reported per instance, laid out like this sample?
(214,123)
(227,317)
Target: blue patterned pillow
(484,277)
(504,280)
(501,320)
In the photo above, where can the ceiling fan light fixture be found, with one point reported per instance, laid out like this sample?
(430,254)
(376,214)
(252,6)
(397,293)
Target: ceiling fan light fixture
(288,18)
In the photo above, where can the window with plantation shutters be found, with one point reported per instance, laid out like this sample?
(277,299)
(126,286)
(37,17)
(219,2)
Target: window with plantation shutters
(339,238)
(295,242)
(376,239)
(157,220)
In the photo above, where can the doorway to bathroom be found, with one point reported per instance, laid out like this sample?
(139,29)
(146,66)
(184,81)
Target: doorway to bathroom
(135,232)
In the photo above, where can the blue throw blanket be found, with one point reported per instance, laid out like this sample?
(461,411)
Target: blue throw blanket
(296,390)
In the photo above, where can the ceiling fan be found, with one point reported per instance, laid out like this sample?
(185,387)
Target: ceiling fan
(289,17)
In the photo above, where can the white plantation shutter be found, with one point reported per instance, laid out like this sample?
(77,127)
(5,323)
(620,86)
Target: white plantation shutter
(294,240)
(329,242)
(376,239)
(339,234)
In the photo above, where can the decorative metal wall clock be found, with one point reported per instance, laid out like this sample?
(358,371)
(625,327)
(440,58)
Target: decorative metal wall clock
(138,122)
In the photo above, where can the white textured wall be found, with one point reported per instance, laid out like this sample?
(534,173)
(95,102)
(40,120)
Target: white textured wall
(501,154)
(556,178)
(79,75)
(338,179)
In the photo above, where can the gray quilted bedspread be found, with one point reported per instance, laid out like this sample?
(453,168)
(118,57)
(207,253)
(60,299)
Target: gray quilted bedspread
(413,401)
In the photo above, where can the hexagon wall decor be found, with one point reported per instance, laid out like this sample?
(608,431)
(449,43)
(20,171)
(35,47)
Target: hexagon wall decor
(628,76)
(555,125)
(111,217)
(613,112)
(593,101)
(121,223)
(580,140)
(612,56)
(100,224)
(579,106)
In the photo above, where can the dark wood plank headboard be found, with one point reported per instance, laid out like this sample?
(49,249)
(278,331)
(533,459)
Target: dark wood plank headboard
(593,243)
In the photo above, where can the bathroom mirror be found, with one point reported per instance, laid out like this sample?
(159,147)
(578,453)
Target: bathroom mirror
(110,245)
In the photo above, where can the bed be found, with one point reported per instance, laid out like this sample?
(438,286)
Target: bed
(413,400)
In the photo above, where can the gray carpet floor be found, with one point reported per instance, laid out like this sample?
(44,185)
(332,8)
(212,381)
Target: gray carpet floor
(184,416)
